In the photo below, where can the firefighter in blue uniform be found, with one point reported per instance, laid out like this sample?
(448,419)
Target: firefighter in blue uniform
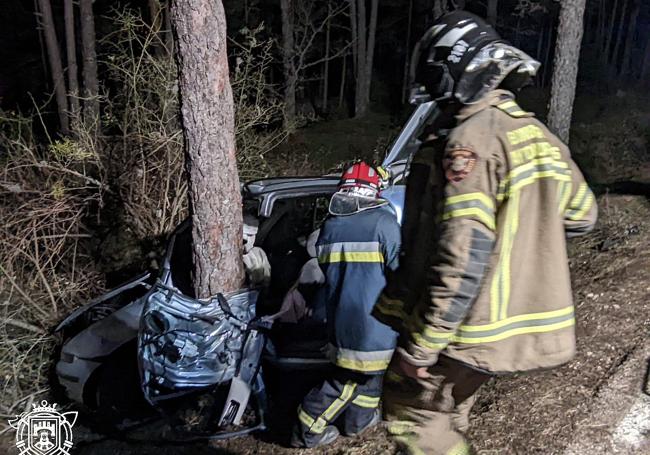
(357,245)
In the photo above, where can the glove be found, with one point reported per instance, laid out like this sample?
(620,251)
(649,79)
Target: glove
(258,268)
(294,307)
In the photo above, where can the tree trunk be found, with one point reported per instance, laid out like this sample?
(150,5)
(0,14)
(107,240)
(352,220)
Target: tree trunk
(407,55)
(629,40)
(492,12)
(547,55)
(343,77)
(326,64)
(354,35)
(207,113)
(619,38)
(56,67)
(71,54)
(610,34)
(89,69)
(370,52)
(288,63)
(360,101)
(565,67)
(645,68)
(155,16)
(169,36)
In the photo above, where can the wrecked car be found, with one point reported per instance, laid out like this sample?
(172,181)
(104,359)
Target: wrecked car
(151,338)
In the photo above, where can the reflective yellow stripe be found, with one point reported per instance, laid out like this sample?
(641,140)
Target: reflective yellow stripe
(393,377)
(424,336)
(362,365)
(580,204)
(518,113)
(423,342)
(514,332)
(472,212)
(512,231)
(512,109)
(477,205)
(335,407)
(507,105)
(482,197)
(519,318)
(408,443)
(540,175)
(565,194)
(319,424)
(577,200)
(351,256)
(307,420)
(366,401)
(586,207)
(547,321)
(391,307)
(538,168)
(400,427)
(500,288)
(534,163)
(462,448)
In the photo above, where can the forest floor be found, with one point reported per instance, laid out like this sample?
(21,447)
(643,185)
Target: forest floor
(593,405)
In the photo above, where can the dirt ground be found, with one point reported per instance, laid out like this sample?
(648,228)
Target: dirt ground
(537,413)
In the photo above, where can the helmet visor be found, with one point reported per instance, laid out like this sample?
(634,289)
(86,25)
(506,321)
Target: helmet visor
(343,204)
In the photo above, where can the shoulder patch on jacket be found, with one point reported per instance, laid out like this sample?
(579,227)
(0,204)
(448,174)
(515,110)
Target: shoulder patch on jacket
(458,163)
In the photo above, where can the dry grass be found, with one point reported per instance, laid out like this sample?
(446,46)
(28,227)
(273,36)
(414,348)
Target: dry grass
(46,191)
(56,194)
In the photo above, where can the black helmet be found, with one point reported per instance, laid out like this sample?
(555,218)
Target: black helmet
(462,57)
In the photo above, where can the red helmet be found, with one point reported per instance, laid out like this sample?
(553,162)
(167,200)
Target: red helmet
(363,179)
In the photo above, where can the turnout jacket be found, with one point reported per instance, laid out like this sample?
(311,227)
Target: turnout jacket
(354,252)
(493,205)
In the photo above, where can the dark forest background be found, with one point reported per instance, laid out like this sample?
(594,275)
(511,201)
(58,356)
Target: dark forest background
(615,50)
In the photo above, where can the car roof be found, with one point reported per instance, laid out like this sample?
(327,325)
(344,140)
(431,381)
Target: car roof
(262,187)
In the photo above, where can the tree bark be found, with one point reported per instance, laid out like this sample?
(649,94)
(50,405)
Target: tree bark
(343,77)
(547,55)
(492,12)
(407,54)
(355,35)
(207,113)
(610,34)
(71,54)
(360,102)
(619,38)
(326,64)
(629,40)
(565,67)
(645,68)
(365,49)
(56,66)
(156,17)
(288,63)
(89,69)
(370,50)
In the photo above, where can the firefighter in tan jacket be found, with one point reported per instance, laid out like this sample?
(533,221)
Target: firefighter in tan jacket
(498,196)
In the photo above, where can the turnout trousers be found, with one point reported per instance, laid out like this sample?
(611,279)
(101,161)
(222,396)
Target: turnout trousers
(429,416)
(347,396)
